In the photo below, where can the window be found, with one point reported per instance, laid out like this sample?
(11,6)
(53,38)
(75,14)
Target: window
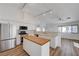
(43,29)
(64,29)
(38,29)
(59,29)
(74,29)
(68,29)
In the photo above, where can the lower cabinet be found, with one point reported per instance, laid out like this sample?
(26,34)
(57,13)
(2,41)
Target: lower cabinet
(34,49)
(18,40)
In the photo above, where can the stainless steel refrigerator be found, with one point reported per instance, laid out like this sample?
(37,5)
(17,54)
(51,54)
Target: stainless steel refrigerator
(7,36)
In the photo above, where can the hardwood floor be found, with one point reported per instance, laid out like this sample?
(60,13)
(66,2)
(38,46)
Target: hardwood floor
(68,48)
(18,51)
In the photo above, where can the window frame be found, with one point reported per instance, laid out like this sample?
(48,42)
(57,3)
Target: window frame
(71,28)
(77,29)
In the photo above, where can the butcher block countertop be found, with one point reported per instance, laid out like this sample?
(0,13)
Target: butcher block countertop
(38,40)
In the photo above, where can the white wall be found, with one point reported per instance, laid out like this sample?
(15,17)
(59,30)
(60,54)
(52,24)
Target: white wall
(52,27)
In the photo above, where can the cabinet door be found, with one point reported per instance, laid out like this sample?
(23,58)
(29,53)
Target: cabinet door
(5,31)
(18,40)
(3,45)
(31,48)
(12,31)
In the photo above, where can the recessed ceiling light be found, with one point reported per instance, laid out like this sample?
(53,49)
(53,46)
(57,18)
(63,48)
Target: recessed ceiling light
(50,12)
(43,14)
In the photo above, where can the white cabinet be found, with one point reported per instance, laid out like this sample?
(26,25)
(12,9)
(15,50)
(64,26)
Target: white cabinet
(5,31)
(13,30)
(18,40)
(34,49)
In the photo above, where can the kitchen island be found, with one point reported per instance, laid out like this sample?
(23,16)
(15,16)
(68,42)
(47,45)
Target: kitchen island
(54,37)
(36,46)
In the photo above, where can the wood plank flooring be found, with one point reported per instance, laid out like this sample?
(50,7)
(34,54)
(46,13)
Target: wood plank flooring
(18,51)
(67,49)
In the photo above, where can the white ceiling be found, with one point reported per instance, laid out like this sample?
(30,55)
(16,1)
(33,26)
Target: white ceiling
(59,10)
(62,10)
(9,12)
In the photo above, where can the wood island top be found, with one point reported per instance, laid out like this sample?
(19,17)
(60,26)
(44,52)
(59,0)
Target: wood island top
(38,40)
